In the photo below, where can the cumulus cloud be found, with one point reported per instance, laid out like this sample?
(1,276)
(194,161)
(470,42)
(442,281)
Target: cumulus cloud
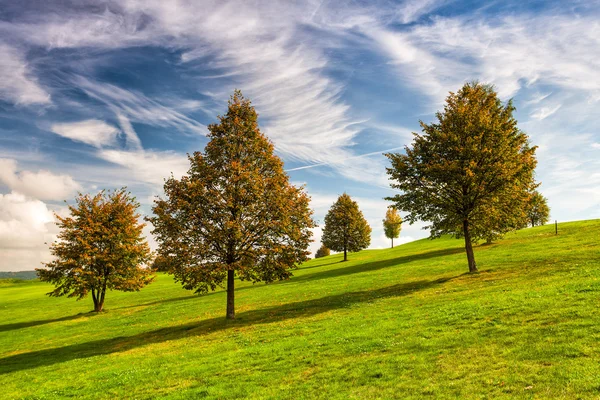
(42,184)
(25,226)
(17,83)
(93,132)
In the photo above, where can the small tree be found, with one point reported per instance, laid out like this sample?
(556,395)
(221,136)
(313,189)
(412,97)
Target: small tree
(538,212)
(235,212)
(467,171)
(323,251)
(392,224)
(100,247)
(345,227)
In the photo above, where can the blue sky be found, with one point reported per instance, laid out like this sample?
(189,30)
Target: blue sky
(107,94)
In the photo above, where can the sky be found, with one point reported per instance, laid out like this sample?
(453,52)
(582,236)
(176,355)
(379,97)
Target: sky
(100,95)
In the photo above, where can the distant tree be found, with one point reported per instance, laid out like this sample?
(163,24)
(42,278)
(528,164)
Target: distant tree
(100,246)
(392,224)
(235,212)
(345,227)
(159,264)
(538,212)
(322,252)
(467,171)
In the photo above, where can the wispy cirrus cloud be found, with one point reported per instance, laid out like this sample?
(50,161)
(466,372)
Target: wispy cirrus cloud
(18,84)
(130,105)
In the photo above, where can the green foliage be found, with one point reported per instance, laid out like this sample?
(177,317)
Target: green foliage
(538,212)
(392,224)
(323,251)
(100,246)
(346,229)
(470,173)
(234,212)
(402,323)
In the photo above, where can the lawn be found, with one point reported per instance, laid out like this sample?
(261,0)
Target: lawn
(402,323)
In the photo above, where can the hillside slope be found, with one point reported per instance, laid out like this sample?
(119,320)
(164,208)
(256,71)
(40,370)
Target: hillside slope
(398,323)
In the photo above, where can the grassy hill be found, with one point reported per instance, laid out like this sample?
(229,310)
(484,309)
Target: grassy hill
(398,323)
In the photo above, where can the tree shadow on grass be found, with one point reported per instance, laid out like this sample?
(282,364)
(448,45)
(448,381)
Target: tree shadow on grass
(28,324)
(329,273)
(156,302)
(301,309)
(374,265)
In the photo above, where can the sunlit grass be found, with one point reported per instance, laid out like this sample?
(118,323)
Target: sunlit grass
(396,323)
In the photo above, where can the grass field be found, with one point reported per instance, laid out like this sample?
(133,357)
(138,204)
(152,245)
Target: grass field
(399,323)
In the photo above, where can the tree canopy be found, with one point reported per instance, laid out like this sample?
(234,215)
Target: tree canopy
(538,212)
(346,229)
(392,224)
(323,251)
(468,171)
(100,246)
(235,212)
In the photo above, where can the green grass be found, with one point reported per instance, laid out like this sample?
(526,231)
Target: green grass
(398,323)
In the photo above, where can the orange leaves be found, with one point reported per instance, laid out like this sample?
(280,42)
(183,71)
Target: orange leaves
(100,247)
(236,209)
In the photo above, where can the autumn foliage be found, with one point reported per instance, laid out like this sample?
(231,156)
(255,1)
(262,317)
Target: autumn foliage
(234,213)
(100,247)
(392,224)
(323,251)
(346,229)
(538,212)
(470,173)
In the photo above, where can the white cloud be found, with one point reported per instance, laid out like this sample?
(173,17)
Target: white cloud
(25,227)
(148,166)
(134,106)
(17,83)
(93,132)
(511,52)
(544,112)
(43,184)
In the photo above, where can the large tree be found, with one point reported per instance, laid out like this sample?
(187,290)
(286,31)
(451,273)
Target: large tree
(538,212)
(469,170)
(346,229)
(235,212)
(100,247)
(392,224)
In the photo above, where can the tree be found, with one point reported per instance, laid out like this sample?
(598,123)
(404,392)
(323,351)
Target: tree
(392,224)
(345,227)
(538,212)
(322,252)
(468,171)
(100,247)
(235,212)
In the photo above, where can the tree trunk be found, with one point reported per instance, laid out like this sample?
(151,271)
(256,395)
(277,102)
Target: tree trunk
(98,300)
(230,295)
(392,243)
(345,255)
(469,247)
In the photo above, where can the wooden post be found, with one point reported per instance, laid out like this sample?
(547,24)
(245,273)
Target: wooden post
(555,227)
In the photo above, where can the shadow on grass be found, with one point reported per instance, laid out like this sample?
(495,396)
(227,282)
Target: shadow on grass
(301,309)
(329,273)
(28,324)
(156,302)
(374,265)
